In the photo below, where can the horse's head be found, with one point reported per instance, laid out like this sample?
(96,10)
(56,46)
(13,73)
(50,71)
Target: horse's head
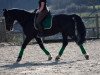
(9,20)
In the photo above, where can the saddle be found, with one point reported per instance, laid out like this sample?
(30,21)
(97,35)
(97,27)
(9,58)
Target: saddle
(46,23)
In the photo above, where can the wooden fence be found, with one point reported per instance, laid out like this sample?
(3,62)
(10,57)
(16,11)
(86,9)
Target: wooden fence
(92,25)
(2,30)
(92,28)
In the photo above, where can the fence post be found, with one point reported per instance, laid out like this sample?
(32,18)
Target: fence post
(97,25)
(2,30)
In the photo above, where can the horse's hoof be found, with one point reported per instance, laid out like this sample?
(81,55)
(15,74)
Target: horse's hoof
(87,57)
(49,58)
(18,60)
(57,58)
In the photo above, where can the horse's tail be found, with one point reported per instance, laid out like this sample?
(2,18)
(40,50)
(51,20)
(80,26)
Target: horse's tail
(80,28)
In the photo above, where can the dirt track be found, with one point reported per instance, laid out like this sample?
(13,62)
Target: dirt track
(35,62)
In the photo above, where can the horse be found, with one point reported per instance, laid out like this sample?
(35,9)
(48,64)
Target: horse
(68,25)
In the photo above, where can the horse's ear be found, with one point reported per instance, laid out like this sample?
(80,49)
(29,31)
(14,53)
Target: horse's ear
(4,10)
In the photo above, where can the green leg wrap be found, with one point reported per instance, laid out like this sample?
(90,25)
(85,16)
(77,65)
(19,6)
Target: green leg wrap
(61,51)
(82,49)
(46,52)
(21,52)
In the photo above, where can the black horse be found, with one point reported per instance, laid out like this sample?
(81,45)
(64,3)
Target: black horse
(67,25)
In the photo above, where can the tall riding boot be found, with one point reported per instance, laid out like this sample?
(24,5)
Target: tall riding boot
(40,31)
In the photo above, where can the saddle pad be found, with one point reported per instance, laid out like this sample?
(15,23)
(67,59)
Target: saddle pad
(47,23)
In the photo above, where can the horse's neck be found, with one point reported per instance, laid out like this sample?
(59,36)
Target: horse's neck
(24,18)
(20,17)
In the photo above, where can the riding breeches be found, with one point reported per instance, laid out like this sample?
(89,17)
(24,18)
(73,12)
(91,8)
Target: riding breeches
(40,18)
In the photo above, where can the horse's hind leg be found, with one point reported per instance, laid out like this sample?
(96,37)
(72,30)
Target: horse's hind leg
(39,41)
(26,41)
(65,42)
(84,52)
(81,47)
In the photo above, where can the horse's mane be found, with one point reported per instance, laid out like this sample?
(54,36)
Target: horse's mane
(19,10)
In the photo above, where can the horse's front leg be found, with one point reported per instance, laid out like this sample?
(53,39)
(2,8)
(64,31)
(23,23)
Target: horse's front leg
(26,41)
(39,41)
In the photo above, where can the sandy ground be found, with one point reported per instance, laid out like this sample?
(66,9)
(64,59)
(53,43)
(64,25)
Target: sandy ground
(35,62)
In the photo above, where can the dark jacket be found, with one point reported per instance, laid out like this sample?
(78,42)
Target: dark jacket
(45,8)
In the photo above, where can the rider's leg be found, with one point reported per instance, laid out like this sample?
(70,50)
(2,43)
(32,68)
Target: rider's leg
(39,20)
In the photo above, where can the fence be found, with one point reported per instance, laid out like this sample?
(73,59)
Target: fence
(92,25)
(2,30)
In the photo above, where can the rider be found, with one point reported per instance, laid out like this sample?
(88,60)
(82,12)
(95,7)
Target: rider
(42,12)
